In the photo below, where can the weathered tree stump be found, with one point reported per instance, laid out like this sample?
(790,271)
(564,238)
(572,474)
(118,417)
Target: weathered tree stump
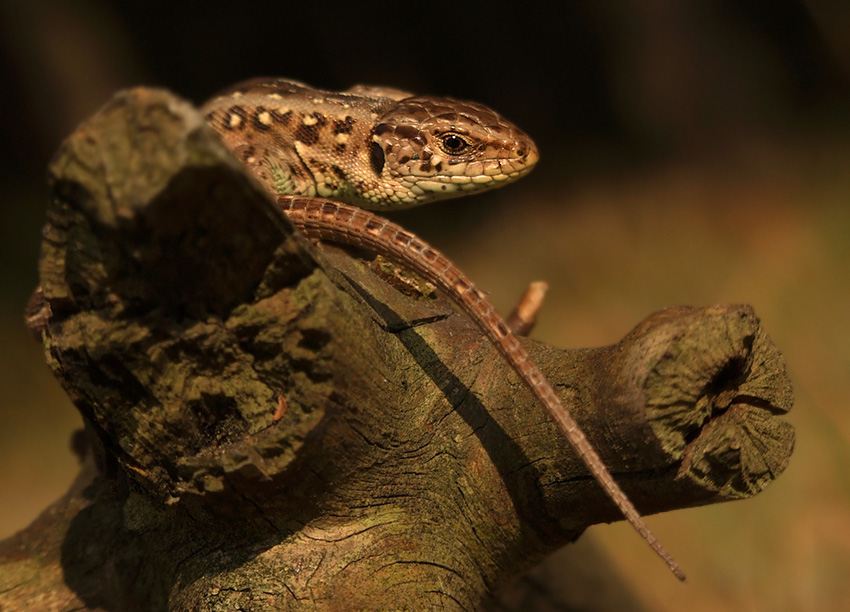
(273,426)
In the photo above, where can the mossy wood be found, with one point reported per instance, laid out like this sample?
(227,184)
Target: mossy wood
(274,426)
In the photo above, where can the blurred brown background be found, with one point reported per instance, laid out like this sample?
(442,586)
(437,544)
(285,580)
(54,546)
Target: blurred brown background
(692,153)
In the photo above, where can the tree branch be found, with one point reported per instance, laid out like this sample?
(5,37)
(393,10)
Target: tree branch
(274,426)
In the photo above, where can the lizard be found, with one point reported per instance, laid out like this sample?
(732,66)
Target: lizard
(330,158)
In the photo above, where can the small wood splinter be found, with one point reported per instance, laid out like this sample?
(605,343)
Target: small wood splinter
(281,408)
(524,316)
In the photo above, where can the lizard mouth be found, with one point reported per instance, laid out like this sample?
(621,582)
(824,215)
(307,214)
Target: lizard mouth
(486,171)
(444,186)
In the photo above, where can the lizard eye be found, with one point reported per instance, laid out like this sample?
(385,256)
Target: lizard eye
(453,144)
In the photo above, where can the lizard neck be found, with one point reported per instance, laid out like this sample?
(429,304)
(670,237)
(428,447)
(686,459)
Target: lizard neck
(298,140)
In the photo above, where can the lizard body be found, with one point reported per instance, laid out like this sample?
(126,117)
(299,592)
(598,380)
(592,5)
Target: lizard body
(381,148)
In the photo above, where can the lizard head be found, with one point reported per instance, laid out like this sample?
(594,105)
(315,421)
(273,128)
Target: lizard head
(426,148)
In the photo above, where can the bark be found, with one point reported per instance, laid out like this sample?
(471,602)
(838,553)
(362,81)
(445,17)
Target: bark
(275,426)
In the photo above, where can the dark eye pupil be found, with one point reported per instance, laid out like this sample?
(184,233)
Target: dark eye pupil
(453,143)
